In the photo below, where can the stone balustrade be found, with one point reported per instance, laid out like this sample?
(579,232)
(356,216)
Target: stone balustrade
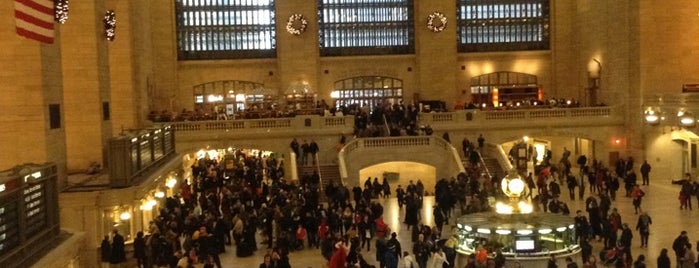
(480,116)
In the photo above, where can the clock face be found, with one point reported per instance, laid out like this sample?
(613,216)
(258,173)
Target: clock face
(61,11)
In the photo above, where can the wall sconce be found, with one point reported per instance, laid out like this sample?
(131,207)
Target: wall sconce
(686,119)
(594,69)
(125,216)
(652,116)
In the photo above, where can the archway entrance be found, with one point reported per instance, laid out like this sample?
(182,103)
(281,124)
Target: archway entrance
(400,173)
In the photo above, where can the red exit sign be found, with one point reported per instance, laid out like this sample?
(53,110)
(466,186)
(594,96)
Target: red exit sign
(690,88)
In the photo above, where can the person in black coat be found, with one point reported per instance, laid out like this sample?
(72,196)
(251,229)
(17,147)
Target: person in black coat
(106,248)
(118,250)
(139,250)
(208,246)
(663,259)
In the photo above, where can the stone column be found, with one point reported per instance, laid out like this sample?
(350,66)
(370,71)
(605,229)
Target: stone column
(85,62)
(436,52)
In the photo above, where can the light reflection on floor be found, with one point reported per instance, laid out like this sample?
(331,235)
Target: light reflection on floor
(660,202)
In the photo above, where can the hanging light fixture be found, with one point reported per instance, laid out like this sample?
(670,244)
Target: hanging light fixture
(686,118)
(652,116)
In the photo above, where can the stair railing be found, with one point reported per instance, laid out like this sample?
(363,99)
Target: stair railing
(293,166)
(316,162)
(482,163)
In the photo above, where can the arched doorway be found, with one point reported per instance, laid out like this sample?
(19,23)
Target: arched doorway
(400,173)
(502,88)
(231,97)
(367,90)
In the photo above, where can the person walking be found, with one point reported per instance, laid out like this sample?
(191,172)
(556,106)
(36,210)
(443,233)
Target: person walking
(481,142)
(439,259)
(689,257)
(106,249)
(139,250)
(409,260)
(637,195)
(643,228)
(645,172)
(118,250)
(663,259)
(679,245)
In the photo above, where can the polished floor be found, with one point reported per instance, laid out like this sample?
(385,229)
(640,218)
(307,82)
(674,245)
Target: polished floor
(660,202)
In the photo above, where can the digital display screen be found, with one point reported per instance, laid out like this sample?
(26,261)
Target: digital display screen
(524,245)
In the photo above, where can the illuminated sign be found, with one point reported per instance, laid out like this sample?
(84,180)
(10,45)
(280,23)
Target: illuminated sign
(2,187)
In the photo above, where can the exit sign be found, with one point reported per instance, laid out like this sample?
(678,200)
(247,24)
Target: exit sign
(690,88)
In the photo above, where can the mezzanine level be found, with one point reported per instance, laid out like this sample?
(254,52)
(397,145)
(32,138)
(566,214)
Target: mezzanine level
(275,133)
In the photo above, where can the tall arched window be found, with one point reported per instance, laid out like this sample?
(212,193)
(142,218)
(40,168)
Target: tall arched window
(504,87)
(225,29)
(368,90)
(365,27)
(503,25)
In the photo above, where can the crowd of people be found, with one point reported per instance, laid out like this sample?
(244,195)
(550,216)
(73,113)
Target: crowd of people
(230,200)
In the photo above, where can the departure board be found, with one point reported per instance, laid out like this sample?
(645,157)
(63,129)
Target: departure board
(35,207)
(167,139)
(157,147)
(9,226)
(145,152)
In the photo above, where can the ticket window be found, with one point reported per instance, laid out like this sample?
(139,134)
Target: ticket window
(119,219)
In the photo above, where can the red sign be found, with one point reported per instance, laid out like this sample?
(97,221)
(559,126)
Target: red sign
(9,186)
(690,88)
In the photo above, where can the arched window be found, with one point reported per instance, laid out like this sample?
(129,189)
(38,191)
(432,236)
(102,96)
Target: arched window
(233,96)
(503,87)
(503,25)
(368,90)
(365,27)
(225,29)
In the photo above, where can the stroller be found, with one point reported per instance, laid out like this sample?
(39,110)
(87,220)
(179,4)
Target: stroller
(609,256)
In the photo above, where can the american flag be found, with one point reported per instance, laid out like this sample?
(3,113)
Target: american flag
(34,19)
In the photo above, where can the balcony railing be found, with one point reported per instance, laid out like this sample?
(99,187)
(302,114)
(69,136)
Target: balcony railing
(465,119)
(272,123)
(478,117)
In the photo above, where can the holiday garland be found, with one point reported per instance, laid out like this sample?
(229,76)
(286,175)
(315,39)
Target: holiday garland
(110,25)
(297,24)
(442,22)
(61,11)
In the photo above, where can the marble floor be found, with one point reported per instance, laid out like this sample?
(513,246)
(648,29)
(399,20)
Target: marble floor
(660,202)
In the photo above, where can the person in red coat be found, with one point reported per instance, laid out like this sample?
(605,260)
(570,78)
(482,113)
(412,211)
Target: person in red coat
(339,258)
(301,235)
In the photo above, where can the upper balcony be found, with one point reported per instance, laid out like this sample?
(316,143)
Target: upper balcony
(466,120)
(524,118)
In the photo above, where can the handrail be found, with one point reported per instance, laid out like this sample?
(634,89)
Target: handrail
(385,123)
(485,167)
(294,166)
(320,176)
(499,154)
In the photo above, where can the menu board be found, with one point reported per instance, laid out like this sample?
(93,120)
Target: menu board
(35,207)
(9,226)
